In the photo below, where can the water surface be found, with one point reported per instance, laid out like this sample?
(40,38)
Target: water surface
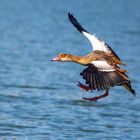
(39,99)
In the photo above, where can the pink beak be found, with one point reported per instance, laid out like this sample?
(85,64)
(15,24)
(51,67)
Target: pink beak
(55,58)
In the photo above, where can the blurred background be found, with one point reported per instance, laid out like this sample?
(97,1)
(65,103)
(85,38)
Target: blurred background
(39,98)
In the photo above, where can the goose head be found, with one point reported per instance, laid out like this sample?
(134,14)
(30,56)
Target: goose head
(63,57)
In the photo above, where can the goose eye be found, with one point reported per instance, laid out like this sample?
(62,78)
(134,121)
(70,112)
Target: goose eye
(63,55)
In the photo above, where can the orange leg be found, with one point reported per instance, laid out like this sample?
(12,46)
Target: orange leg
(84,87)
(97,97)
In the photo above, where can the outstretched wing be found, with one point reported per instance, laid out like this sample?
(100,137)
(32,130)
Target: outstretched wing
(97,44)
(100,75)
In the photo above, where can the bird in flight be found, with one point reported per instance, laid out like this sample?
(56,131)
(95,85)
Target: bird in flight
(102,65)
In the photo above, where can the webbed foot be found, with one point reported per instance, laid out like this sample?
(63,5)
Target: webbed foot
(97,97)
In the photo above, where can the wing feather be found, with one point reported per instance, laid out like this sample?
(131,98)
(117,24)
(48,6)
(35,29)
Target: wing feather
(97,44)
(100,79)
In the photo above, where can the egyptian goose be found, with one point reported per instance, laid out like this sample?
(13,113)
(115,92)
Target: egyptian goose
(102,65)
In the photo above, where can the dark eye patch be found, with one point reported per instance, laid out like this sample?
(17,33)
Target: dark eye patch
(63,55)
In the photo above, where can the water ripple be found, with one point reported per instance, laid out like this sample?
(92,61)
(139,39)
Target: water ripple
(38,97)
(30,87)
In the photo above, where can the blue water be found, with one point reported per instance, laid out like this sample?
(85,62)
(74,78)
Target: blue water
(39,98)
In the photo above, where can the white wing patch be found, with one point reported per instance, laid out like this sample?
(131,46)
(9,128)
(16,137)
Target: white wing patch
(96,43)
(102,66)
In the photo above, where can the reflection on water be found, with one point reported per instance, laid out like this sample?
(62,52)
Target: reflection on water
(39,99)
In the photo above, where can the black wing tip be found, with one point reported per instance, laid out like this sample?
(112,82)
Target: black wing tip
(74,21)
(70,16)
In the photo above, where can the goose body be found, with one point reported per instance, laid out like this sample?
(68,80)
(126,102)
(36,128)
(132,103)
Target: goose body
(102,65)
